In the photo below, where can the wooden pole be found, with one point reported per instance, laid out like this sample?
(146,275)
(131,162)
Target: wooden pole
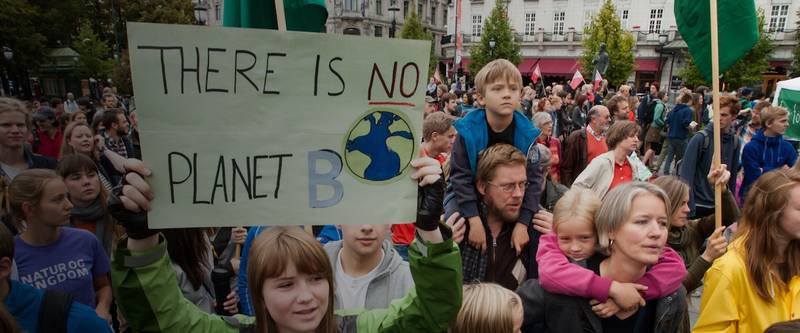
(280,13)
(715,87)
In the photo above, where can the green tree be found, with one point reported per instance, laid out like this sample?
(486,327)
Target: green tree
(18,31)
(606,28)
(413,29)
(497,27)
(794,70)
(59,21)
(746,71)
(94,54)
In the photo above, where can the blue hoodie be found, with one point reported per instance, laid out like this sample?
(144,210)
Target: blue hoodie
(678,122)
(764,154)
(24,303)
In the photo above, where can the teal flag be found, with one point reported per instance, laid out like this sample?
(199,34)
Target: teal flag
(738,31)
(790,99)
(301,15)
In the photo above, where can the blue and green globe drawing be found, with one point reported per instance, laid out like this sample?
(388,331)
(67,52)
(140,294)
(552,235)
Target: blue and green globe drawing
(379,146)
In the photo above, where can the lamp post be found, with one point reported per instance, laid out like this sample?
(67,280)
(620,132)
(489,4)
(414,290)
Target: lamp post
(492,43)
(8,54)
(662,41)
(394,9)
(201,12)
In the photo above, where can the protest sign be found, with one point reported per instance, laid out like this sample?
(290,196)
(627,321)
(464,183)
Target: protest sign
(788,96)
(252,127)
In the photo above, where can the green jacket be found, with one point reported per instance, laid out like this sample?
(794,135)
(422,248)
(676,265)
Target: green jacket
(658,115)
(147,293)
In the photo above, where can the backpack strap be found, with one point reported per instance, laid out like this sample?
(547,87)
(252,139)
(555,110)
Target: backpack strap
(54,311)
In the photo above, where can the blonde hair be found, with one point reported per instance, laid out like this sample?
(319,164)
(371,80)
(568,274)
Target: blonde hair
(8,104)
(486,308)
(496,70)
(772,113)
(271,253)
(28,186)
(575,204)
(617,206)
(66,148)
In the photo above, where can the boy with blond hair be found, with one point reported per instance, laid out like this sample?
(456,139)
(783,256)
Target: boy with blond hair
(498,85)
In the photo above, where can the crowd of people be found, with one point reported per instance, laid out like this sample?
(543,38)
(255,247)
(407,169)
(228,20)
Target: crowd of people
(569,210)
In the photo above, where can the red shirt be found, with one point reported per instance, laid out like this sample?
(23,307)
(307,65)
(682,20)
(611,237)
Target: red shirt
(594,147)
(47,146)
(623,173)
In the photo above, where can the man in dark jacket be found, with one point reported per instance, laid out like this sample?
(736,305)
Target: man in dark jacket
(577,155)
(698,157)
(678,123)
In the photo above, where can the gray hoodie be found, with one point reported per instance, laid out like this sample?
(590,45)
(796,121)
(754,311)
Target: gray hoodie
(392,282)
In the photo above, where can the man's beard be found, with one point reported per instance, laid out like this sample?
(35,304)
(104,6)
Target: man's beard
(505,216)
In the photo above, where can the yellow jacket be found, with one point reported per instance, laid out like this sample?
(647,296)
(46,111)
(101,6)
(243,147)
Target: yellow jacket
(730,302)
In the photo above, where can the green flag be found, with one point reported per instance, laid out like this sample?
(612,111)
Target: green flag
(738,31)
(301,15)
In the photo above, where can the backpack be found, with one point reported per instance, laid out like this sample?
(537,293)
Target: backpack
(706,143)
(54,311)
(647,111)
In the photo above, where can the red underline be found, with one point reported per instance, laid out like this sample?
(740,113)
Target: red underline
(393,103)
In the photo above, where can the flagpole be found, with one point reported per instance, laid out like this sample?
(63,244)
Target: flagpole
(715,86)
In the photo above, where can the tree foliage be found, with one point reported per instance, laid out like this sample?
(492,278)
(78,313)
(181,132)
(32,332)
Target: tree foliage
(413,29)
(94,58)
(794,70)
(18,31)
(606,28)
(497,27)
(747,71)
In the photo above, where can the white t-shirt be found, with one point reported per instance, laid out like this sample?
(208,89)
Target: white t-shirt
(353,291)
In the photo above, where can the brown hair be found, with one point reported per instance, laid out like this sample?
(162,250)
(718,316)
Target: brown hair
(66,149)
(761,105)
(791,326)
(111,116)
(613,103)
(75,114)
(271,253)
(8,104)
(437,122)
(759,227)
(621,130)
(189,249)
(28,186)
(772,113)
(731,102)
(6,243)
(447,97)
(677,190)
(498,69)
(494,156)
(540,105)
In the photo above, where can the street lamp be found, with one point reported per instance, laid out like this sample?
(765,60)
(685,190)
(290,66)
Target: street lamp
(492,43)
(5,85)
(394,9)
(201,12)
(662,41)
(8,53)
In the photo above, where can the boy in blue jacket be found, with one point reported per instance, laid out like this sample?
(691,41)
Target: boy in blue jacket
(768,150)
(498,86)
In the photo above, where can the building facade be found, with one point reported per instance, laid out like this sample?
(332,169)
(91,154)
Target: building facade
(551,34)
(384,18)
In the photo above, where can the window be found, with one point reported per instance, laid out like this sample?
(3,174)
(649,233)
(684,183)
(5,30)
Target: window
(420,8)
(405,8)
(350,5)
(655,21)
(477,26)
(530,20)
(777,21)
(378,31)
(623,18)
(433,14)
(444,15)
(218,12)
(558,23)
(378,8)
(588,16)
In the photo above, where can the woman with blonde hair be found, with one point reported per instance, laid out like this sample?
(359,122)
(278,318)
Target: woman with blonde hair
(757,282)
(488,308)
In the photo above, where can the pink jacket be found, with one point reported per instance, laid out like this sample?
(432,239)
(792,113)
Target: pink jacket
(558,275)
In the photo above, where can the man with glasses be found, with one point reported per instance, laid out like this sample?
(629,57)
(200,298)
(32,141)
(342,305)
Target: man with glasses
(501,181)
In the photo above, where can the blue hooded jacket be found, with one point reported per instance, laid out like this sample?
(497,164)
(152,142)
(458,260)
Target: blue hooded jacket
(678,122)
(764,154)
(24,303)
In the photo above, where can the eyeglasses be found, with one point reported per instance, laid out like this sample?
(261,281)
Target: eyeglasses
(510,187)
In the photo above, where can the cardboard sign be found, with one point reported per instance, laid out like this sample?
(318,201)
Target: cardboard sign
(259,127)
(790,99)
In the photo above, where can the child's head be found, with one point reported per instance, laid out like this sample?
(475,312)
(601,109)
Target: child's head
(775,118)
(488,308)
(497,74)
(792,326)
(438,132)
(573,223)
(291,282)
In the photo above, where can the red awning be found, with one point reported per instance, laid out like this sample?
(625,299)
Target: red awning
(779,63)
(550,66)
(647,65)
(464,64)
